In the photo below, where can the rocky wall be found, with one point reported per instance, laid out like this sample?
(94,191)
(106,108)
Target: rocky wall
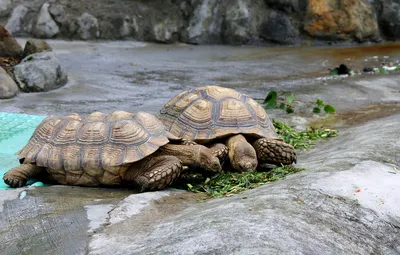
(207,21)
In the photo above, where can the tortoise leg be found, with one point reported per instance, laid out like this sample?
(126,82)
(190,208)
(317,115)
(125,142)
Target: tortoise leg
(275,151)
(220,151)
(161,172)
(241,154)
(18,176)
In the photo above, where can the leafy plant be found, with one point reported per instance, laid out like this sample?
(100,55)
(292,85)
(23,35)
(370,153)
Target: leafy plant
(302,139)
(271,102)
(327,107)
(228,183)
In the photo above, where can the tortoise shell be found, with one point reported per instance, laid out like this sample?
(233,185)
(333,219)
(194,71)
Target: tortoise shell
(97,146)
(211,112)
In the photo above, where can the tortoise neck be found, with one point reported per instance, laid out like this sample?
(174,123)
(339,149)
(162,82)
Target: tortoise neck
(187,154)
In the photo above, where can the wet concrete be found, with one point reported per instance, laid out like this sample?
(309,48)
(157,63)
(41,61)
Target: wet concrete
(331,217)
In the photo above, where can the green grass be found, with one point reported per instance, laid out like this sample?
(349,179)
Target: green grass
(229,183)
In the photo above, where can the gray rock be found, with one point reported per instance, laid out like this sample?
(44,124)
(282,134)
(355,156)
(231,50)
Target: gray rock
(57,12)
(8,87)
(5,8)
(319,211)
(33,46)
(20,22)
(40,72)
(205,23)
(46,27)
(389,18)
(88,27)
(237,23)
(279,29)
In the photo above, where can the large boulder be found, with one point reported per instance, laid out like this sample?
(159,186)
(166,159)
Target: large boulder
(9,47)
(278,28)
(46,27)
(341,20)
(5,8)
(33,46)
(88,27)
(21,21)
(40,72)
(8,87)
(389,18)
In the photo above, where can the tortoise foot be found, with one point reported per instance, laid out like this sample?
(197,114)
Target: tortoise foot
(275,152)
(14,181)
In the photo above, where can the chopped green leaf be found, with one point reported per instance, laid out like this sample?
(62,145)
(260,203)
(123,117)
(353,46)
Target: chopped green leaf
(316,110)
(290,98)
(329,109)
(289,109)
(271,97)
(320,102)
(282,106)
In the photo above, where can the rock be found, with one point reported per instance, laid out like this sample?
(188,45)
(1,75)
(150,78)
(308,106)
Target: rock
(236,26)
(319,211)
(5,8)
(21,21)
(279,29)
(46,27)
(205,23)
(9,47)
(8,87)
(341,20)
(389,18)
(40,72)
(88,27)
(35,46)
(57,12)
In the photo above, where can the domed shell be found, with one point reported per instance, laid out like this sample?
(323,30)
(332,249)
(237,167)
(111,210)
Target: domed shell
(211,112)
(76,147)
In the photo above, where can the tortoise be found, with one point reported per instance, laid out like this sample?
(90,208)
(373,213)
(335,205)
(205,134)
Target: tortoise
(228,122)
(119,148)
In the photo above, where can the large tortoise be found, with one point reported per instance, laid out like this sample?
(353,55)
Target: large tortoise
(120,148)
(219,117)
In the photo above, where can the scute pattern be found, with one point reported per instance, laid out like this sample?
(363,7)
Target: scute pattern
(210,112)
(79,150)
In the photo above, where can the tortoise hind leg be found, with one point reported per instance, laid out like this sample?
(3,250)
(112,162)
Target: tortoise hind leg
(275,151)
(161,171)
(19,176)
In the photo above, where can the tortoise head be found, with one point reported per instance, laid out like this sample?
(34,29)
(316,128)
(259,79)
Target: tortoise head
(207,160)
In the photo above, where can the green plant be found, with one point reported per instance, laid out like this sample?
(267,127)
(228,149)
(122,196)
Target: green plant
(229,183)
(271,102)
(327,107)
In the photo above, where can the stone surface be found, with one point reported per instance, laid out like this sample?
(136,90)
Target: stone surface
(9,47)
(389,18)
(215,22)
(279,29)
(8,87)
(88,27)
(21,21)
(46,27)
(40,72)
(33,46)
(341,20)
(318,211)
(5,8)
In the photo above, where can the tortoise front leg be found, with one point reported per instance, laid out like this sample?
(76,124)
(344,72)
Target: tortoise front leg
(241,154)
(220,151)
(275,151)
(159,172)
(19,176)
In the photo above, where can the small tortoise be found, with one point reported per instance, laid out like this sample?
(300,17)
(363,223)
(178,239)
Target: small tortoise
(218,117)
(120,148)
